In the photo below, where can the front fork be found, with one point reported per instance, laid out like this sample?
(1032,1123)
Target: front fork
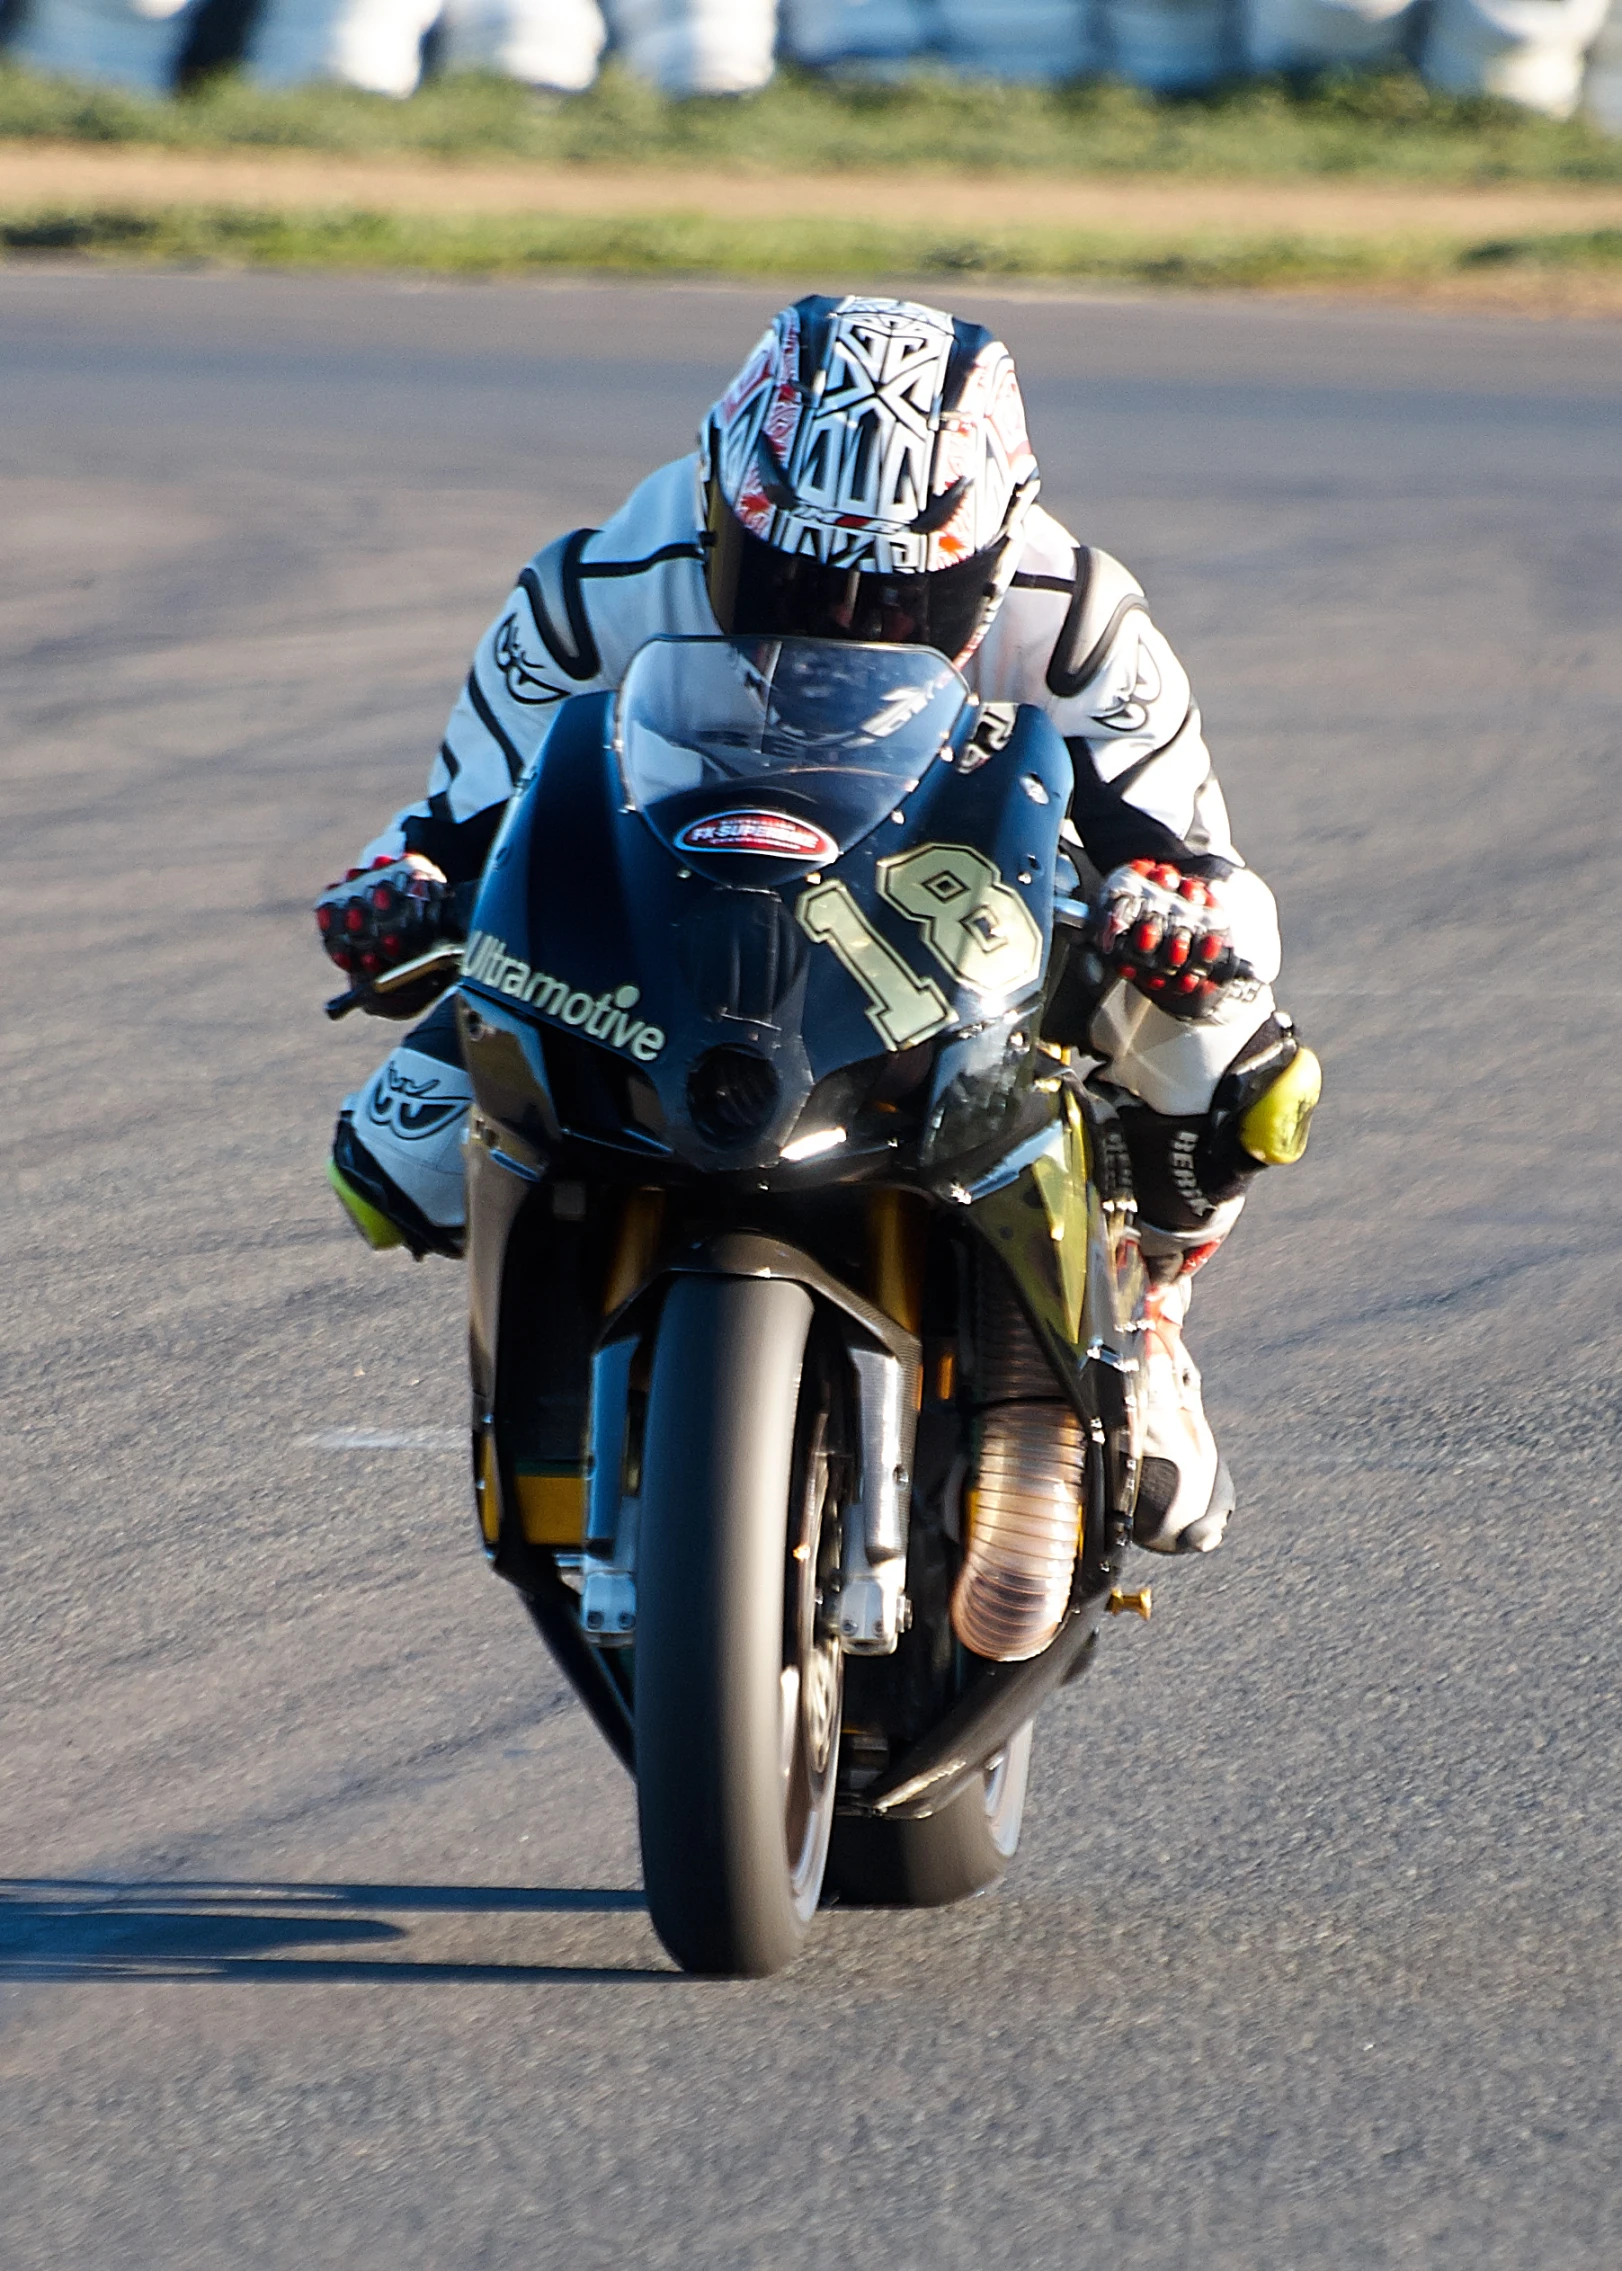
(614,1456)
(873,1610)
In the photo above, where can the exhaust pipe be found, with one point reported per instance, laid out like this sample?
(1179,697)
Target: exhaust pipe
(1023,1508)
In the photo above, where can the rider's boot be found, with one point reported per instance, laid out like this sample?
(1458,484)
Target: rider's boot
(397,1151)
(1185,1493)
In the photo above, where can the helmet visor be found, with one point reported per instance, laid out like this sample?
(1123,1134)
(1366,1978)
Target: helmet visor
(761,592)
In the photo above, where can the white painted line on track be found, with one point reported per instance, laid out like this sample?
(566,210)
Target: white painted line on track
(386,1439)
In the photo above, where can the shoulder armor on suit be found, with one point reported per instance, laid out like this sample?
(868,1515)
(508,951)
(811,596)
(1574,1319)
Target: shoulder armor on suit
(1104,596)
(551,583)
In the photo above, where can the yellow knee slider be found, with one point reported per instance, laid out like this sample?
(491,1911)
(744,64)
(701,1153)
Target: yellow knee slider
(375,1227)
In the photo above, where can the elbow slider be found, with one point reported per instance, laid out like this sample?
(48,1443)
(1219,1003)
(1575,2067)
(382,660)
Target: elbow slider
(1275,1127)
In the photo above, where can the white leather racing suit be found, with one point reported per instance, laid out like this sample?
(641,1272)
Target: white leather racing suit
(1073,636)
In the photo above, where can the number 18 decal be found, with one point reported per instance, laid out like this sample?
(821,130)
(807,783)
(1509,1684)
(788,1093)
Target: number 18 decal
(901,1006)
(974,924)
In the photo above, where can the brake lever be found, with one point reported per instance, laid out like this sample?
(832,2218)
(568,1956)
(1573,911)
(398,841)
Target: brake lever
(444,960)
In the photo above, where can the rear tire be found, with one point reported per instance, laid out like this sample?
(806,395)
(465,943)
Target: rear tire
(962,1850)
(738,1677)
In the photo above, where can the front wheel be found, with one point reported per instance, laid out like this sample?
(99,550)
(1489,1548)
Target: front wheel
(739,1677)
(963,1849)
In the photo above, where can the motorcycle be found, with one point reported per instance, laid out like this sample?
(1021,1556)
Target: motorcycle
(805,1294)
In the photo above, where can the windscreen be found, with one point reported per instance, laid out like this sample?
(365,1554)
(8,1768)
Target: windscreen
(790,749)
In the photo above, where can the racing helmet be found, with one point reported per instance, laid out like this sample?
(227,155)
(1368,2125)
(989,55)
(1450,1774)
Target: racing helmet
(865,476)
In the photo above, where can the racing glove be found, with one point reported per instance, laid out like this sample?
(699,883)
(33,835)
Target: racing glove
(383,915)
(1167,934)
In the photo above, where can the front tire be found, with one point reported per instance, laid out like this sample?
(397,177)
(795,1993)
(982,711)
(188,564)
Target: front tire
(962,1850)
(738,1676)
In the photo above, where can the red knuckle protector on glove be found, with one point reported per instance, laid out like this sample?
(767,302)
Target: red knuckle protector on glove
(382,915)
(1166,933)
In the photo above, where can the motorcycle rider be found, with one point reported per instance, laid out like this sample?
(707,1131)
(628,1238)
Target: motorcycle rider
(868,475)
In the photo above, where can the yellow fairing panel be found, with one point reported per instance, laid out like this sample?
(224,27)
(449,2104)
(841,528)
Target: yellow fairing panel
(489,1492)
(551,1508)
(1062,1182)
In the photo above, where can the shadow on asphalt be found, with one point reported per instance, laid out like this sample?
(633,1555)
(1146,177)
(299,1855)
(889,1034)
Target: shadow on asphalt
(64,1929)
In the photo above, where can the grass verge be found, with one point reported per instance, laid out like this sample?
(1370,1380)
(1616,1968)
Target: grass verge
(700,244)
(1384,126)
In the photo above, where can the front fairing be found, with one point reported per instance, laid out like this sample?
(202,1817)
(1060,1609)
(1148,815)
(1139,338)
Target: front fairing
(609,966)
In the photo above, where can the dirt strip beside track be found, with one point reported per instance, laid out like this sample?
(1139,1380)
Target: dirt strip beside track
(35,176)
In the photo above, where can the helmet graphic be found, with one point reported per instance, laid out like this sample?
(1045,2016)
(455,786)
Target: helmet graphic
(865,475)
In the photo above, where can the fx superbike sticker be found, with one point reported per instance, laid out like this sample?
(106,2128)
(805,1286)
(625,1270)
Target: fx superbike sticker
(601,1017)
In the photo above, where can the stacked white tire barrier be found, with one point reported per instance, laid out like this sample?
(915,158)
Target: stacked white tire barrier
(1546,55)
(1530,51)
(1315,35)
(698,47)
(1170,46)
(375,44)
(111,43)
(544,43)
(1602,89)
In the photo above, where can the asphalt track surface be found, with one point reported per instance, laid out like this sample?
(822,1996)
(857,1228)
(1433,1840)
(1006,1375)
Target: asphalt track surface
(320,1936)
